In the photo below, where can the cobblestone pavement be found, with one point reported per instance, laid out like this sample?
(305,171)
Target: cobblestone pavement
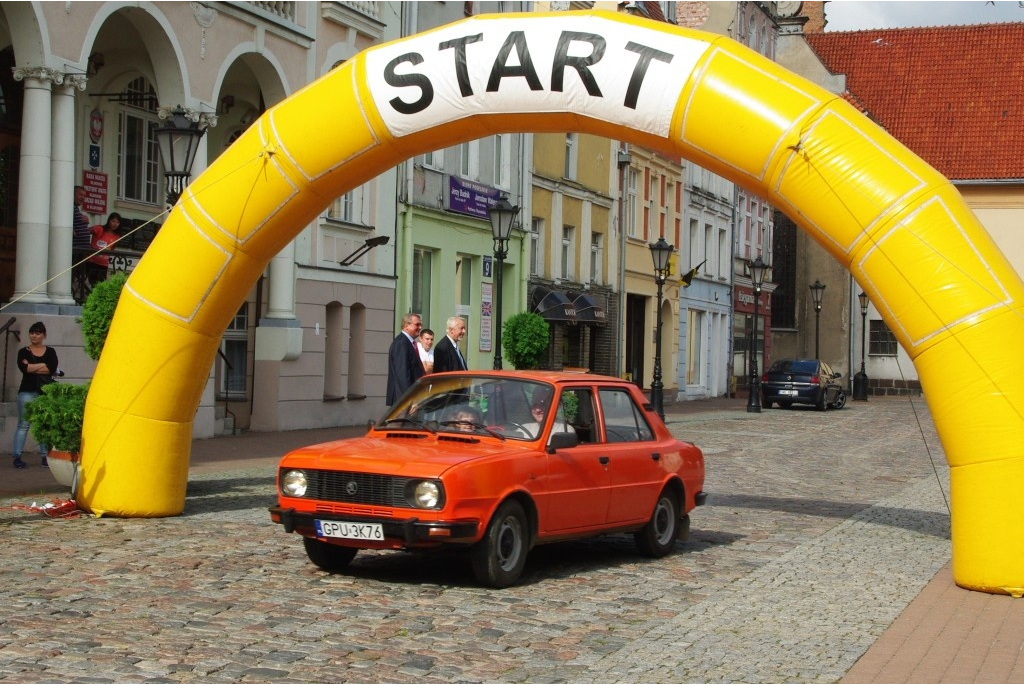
(820,529)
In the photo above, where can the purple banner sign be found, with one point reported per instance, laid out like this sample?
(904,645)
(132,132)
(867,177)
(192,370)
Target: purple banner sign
(469,197)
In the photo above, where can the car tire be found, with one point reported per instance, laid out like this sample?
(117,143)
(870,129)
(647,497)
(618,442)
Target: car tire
(658,536)
(498,559)
(840,400)
(785,405)
(328,557)
(766,403)
(821,404)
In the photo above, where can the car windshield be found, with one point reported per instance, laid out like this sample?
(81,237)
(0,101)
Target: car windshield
(472,403)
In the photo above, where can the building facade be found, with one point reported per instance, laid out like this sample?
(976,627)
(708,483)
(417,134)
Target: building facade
(87,88)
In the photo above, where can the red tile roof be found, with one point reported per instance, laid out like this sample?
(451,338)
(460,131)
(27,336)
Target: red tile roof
(952,94)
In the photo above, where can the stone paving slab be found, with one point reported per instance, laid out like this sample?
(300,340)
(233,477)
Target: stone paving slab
(820,529)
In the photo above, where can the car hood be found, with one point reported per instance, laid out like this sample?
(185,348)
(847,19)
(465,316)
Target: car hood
(411,454)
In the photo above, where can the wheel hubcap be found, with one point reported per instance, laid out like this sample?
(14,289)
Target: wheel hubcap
(510,544)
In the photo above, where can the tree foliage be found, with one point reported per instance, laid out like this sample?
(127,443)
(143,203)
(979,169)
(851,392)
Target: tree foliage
(524,337)
(98,311)
(56,415)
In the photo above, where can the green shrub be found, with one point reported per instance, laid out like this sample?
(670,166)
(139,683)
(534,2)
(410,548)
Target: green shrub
(524,338)
(56,416)
(97,312)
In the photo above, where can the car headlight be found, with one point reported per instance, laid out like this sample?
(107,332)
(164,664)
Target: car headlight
(427,494)
(294,483)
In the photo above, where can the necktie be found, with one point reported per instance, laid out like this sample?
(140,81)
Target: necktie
(462,362)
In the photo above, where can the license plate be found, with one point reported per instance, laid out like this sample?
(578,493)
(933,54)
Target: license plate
(349,531)
(787,392)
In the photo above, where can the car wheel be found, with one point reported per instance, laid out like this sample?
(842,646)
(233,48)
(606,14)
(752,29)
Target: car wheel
(820,404)
(785,405)
(766,403)
(840,400)
(498,558)
(326,556)
(658,536)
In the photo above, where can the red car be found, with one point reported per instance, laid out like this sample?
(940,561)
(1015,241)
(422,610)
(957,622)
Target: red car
(496,462)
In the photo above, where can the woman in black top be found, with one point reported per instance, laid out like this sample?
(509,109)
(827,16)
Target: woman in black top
(37,364)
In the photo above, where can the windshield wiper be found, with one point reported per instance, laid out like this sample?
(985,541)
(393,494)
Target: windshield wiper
(476,426)
(404,419)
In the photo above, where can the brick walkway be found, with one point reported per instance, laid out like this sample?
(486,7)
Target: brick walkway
(813,562)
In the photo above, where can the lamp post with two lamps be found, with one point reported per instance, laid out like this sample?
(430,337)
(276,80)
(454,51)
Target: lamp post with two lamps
(661,252)
(757,271)
(178,140)
(503,215)
(860,379)
(817,290)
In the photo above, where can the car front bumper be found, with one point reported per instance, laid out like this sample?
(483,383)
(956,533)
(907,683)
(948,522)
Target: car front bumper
(410,531)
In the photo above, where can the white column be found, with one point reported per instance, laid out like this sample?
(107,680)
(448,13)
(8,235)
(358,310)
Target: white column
(34,187)
(62,187)
(281,301)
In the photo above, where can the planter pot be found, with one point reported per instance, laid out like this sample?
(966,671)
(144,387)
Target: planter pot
(64,467)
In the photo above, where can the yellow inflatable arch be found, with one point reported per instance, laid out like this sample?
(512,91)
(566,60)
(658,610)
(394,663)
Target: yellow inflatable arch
(943,287)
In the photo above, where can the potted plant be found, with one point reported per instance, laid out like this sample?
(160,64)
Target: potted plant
(56,416)
(56,420)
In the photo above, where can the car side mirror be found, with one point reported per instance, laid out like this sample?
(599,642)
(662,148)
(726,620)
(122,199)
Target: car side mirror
(560,441)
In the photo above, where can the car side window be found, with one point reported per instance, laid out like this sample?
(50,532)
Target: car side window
(624,421)
(576,412)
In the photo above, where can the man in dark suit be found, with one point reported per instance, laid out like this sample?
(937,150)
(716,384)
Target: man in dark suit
(404,365)
(447,356)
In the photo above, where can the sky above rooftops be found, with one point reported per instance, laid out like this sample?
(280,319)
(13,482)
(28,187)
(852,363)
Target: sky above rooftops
(858,15)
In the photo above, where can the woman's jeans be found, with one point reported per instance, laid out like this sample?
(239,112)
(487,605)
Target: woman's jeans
(22,433)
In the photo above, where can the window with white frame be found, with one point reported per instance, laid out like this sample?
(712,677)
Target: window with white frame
(536,228)
(343,208)
(571,154)
(234,347)
(596,242)
(694,241)
(469,160)
(709,243)
(631,201)
(434,159)
(568,234)
(422,261)
(723,253)
(138,155)
(502,160)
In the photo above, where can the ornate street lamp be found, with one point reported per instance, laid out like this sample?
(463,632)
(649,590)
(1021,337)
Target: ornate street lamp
(178,140)
(817,290)
(757,271)
(661,252)
(860,379)
(503,214)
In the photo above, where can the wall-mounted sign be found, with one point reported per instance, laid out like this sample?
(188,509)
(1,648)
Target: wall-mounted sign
(470,197)
(95,184)
(95,125)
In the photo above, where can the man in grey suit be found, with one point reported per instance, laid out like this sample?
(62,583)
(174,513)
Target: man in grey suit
(447,356)
(404,365)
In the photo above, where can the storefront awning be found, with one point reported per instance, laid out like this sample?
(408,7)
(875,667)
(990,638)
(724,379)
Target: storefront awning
(588,310)
(553,305)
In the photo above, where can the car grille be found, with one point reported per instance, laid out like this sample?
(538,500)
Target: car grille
(357,488)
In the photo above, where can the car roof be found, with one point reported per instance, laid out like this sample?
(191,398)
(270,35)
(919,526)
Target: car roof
(554,377)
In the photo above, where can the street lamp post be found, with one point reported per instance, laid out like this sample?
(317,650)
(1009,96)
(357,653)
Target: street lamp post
(860,379)
(757,271)
(503,214)
(178,140)
(817,290)
(661,251)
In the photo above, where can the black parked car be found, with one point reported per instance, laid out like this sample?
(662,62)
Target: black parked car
(802,381)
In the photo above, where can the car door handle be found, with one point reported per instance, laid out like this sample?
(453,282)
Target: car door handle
(655,456)
(604,460)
